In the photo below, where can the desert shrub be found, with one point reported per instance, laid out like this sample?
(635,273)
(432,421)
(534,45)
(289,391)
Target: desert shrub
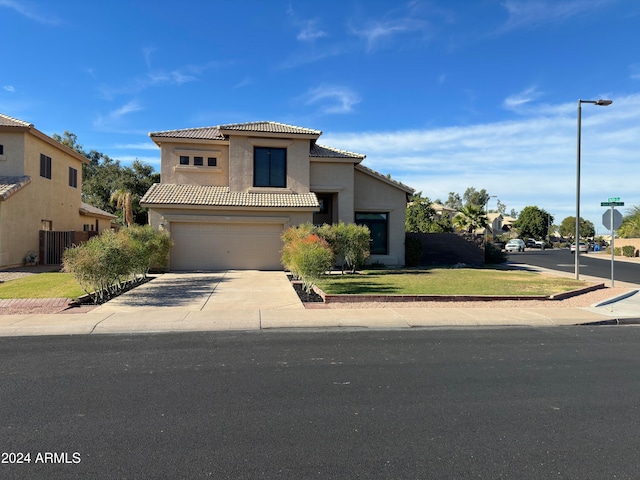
(150,247)
(412,251)
(309,258)
(355,249)
(493,254)
(629,251)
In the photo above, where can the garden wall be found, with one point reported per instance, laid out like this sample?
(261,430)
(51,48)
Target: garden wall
(623,242)
(448,249)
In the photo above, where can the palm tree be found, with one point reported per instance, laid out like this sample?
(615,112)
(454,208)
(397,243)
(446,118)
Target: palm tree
(122,199)
(470,218)
(630,227)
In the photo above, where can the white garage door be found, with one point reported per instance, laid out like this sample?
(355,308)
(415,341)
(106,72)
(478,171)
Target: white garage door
(221,246)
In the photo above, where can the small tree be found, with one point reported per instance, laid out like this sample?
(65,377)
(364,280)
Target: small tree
(308,257)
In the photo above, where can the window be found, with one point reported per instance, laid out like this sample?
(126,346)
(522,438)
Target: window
(197,161)
(73,177)
(212,162)
(45,166)
(1,149)
(46,225)
(184,160)
(269,167)
(377,223)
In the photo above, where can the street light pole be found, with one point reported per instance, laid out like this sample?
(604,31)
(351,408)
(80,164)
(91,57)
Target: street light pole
(603,103)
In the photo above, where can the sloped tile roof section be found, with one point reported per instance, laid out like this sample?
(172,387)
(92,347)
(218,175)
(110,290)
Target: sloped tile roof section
(7,121)
(215,196)
(384,178)
(270,127)
(202,133)
(87,209)
(330,152)
(10,185)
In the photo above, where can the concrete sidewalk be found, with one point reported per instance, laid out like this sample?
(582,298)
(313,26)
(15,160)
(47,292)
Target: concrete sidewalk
(244,300)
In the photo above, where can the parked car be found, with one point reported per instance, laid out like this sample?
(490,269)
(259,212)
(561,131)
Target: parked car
(530,243)
(539,244)
(514,245)
(583,247)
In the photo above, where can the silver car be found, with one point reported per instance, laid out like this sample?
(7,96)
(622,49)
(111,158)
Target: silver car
(514,245)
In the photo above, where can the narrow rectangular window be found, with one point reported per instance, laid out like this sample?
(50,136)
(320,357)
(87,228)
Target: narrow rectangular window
(184,160)
(73,177)
(45,166)
(1,149)
(197,161)
(378,224)
(269,167)
(212,162)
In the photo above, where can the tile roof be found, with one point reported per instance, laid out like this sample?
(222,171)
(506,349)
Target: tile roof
(10,185)
(95,211)
(330,152)
(269,127)
(384,178)
(216,196)
(7,121)
(202,133)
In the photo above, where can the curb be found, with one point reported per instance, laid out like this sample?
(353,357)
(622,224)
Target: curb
(615,299)
(613,321)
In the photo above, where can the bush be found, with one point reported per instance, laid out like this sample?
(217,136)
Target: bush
(494,254)
(105,263)
(308,258)
(413,251)
(629,251)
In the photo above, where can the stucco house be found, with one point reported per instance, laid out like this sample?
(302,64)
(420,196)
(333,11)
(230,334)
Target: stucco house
(227,192)
(40,189)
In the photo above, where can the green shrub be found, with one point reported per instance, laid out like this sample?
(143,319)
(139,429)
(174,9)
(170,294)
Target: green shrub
(629,251)
(309,258)
(412,251)
(494,254)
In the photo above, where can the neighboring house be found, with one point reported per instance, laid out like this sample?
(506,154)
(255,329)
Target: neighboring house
(495,225)
(443,211)
(228,192)
(40,189)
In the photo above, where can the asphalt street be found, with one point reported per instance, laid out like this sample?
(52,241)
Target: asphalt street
(524,403)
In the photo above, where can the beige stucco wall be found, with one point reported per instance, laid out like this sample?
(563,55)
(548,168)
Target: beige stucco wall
(375,195)
(11,162)
(241,168)
(333,177)
(52,199)
(172,172)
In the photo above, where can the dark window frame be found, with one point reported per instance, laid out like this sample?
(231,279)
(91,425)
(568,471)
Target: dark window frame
(45,166)
(73,177)
(212,161)
(380,245)
(1,149)
(184,159)
(276,175)
(198,161)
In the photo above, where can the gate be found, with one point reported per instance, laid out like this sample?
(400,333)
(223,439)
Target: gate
(53,244)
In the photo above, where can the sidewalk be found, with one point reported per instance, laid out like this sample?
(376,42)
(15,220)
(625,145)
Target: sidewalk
(265,300)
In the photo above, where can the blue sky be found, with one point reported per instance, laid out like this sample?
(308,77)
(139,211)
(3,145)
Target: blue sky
(443,94)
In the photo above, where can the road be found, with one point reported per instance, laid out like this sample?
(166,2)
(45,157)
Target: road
(563,260)
(436,403)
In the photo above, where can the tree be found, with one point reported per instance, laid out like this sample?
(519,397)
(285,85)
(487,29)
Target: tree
(502,208)
(454,201)
(122,200)
(470,218)
(630,227)
(420,217)
(473,197)
(533,222)
(568,228)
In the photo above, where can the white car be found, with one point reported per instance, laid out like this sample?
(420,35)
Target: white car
(583,247)
(514,245)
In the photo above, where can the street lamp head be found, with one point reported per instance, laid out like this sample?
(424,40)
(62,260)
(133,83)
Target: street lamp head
(604,103)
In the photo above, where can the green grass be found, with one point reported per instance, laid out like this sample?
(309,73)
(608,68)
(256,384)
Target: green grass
(42,285)
(445,281)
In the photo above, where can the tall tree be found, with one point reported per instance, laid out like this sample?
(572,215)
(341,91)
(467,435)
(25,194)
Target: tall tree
(473,197)
(533,222)
(568,228)
(420,217)
(454,201)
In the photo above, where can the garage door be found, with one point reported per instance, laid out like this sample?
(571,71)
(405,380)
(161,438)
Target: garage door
(221,246)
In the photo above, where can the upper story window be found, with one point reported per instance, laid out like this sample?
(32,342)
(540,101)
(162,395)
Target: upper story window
(73,177)
(184,160)
(269,167)
(212,162)
(45,166)
(198,161)
(1,149)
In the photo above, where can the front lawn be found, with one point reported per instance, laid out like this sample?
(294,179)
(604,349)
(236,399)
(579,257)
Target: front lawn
(447,281)
(42,285)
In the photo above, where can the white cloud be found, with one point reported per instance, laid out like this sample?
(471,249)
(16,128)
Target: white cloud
(26,9)
(531,13)
(310,32)
(332,99)
(528,161)
(9,88)
(518,99)
(635,71)
(380,33)
(111,121)
(137,146)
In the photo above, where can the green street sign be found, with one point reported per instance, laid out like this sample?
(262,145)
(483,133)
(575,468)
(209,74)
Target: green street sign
(614,199)
(612,204)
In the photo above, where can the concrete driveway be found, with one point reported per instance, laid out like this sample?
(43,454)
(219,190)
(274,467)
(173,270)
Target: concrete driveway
(199,291)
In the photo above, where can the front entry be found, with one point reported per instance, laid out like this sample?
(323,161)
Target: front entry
(327,211)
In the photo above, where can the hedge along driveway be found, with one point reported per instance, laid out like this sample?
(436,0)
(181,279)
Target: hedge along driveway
(444,281)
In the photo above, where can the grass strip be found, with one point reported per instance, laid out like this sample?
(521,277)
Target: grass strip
(42,285)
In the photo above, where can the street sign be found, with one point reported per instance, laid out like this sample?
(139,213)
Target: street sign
(612,204)
(614,199)
(607,220)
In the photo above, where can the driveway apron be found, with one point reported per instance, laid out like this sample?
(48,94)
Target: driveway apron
(204,291)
